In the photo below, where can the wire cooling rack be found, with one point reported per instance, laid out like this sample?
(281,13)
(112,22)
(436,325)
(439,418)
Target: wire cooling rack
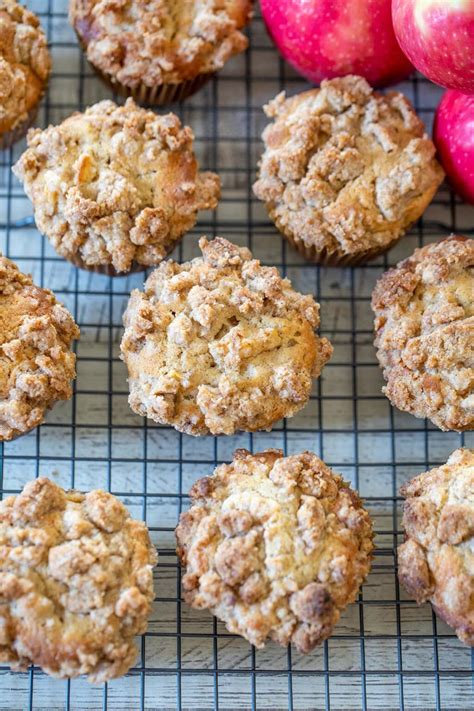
(386,652)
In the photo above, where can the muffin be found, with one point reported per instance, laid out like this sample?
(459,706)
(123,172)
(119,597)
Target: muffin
(37,366)
(76,582)
(116,187)
(436,561)
(424,333)
(24,70)
(220,344)
(345,170)
(276,547)
(158,52)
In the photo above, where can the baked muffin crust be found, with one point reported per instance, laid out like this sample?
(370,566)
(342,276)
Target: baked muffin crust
(220,344)
(76,582)
(424,333)
(37,366)
(116,185)
(345,170)
(155,42)
(436,561)
(275,547)
(24,64)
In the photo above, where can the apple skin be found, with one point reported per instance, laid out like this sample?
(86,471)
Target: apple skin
(438,37)
(323,39)
(453,135)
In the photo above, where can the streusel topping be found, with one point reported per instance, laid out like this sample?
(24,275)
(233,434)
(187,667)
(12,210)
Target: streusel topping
(436,562)
(155,42)
(346,169)
(76,582)
(424,333)
(115,185)
(24,63)
(37,366)
(220,344)
(275,547)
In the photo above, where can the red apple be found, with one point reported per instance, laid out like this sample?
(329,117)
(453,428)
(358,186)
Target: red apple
(323,39)
(453,135)
(438,37)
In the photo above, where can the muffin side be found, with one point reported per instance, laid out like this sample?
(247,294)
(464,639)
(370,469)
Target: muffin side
(76,582)
(345,171)
(424,333)
(37,366)
(25,65)
(220,344)
(435,563)
(156,51)
(276,547)
(116,187)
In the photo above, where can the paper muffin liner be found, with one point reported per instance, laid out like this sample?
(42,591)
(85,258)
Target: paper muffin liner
(8,138)
(106,269)
(331,257)
(168,93)
(152,95)
(156,95)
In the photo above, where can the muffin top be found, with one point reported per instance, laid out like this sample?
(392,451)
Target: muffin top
(346,169)
(155,42)
(220,344)
(436,562)
(115,185)
(424,333)
(24,63)
(76,582)
(36,362)
(275,547)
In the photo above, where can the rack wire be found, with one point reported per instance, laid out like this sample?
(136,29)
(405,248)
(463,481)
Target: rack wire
(386,652)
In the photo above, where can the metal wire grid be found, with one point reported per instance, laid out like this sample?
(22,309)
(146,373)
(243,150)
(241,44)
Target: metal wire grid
(386,653)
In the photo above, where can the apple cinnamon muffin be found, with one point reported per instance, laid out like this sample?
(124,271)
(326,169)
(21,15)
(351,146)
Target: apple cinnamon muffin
(220,344)
(116,187)
(159,51)
(436,561)
(276,547)
(76,582)
(25,65)
(424,333)
(37,365)
(345,170)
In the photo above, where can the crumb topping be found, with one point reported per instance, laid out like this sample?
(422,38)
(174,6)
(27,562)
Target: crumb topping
(76,582)
(346,169)
(424,333)
(36,363)
(220,344)
(436,561)
(24,63)
(275,547)
(155,42)
(115,185)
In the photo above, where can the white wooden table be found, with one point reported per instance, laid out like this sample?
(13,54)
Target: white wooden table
(386,652)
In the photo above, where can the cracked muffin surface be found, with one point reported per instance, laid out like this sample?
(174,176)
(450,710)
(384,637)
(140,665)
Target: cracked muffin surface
(275,547)
(155,42)
(37,366)
(24,66)
(345,170)
(115,186)
(220,344)
(424,333)
(436,561)
(76,582)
